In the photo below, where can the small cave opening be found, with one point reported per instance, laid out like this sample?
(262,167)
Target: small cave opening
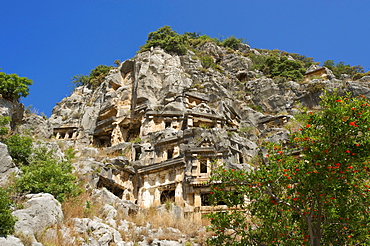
(204,198)
(167,196)
(203,166)
(167,124)
(111,186)
(138,152)
(169,153)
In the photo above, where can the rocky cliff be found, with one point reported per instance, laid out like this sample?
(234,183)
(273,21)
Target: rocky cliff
(152,132)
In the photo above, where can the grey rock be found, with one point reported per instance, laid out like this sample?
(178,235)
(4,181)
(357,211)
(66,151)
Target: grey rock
(98,233)
(12,109)
(10,240)
(365,79)
(123,206)
(7,166)
(40,211)
(244,48)
(37,126)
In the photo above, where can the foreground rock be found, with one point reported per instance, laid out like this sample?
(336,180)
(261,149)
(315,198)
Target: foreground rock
(40,211)
(7,166)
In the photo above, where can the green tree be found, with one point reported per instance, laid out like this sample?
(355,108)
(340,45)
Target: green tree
(7,220)
(169,40)
(316,192)
(341,68)
(94,79)
(12,87)
(46,173)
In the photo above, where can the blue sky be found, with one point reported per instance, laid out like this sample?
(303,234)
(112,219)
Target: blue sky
(51,41)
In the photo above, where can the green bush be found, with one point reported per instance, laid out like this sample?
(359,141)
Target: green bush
(20,148)
(275,66)
(46,173)
(358,76)
(169,40)
(232,42)
(3,129)
(7,220)
(12,87)
(94,79)
(341,68)
(207,61)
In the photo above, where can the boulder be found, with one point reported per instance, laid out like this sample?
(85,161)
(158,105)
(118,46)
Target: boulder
(37,126)
(97,233)
(7,166)
(123,206)
(10,240)
(40,211)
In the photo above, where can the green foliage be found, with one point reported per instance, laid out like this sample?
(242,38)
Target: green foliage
(46,173)
(168,40)
(317,198)
(4,121)
(276,66)
(20,148)
(7,220)
(94,79)
(341,68)
(232,42)
(12,87)
(172,42)
(359,75)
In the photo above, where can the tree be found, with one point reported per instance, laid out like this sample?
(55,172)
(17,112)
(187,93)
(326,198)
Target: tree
(313,192)
(7,220)
(169,40)
(341,68)
(94,79)
(45,173)
(12,87)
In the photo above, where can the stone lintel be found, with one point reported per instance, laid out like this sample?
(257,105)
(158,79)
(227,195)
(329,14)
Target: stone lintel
(168,141)
(161,165)
(198,96)
(165,114)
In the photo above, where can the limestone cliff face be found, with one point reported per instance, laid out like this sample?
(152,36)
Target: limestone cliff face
(171,119)
(154,130)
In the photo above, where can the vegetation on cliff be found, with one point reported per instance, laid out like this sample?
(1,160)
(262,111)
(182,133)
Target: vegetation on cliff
(94,79)
(12,87)
(172,42)
(7,220)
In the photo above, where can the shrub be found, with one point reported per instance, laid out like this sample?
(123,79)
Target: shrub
(358,76)
(94,79)
(4,121)
(7,220)
(46,173)
(20,148)
(169,40)
(232,42)
(12,87)
(341,68)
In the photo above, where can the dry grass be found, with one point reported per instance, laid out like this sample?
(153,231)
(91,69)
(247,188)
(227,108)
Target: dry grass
(165,219)
(84,206)
(81,206)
